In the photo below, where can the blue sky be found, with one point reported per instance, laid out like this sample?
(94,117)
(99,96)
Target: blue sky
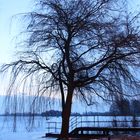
(10,26)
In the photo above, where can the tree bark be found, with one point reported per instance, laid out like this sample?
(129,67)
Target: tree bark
(66,112)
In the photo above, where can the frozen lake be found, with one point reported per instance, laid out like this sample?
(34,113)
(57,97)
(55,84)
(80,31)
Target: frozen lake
(22,131)
(40,125)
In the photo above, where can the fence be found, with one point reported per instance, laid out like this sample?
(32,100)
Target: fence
(54,125)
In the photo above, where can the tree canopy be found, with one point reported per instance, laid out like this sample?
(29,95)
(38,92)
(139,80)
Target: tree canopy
(78,48)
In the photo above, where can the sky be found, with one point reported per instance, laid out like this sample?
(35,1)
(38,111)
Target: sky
(11,26)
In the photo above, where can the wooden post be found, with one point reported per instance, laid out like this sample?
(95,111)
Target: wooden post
(81,121)
(55,126)
(48,127)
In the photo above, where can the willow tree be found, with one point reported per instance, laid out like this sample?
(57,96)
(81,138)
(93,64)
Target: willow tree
(79,48)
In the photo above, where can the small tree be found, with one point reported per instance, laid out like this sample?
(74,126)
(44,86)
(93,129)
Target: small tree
(121,107)
(77,47)
(135,104)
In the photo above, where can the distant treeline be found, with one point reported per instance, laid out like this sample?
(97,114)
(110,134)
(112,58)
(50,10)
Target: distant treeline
(120,107)
(58,113)
(21,114)
(123,107)
(43,114)
(55,113)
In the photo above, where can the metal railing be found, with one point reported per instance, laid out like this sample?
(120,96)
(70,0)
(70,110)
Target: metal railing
(94,121)
(74,122)
(53,127)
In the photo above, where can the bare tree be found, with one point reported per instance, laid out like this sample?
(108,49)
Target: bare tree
(78,48)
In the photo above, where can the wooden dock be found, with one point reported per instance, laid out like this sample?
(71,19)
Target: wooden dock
(98,132)
(97,129)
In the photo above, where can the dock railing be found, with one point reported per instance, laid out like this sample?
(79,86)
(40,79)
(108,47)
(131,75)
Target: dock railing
(93,121)
(53,127)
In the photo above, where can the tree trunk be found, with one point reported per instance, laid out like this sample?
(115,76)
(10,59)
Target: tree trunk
(66,112)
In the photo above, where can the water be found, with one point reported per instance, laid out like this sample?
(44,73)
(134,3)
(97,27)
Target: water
(39,128)
(22,131)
